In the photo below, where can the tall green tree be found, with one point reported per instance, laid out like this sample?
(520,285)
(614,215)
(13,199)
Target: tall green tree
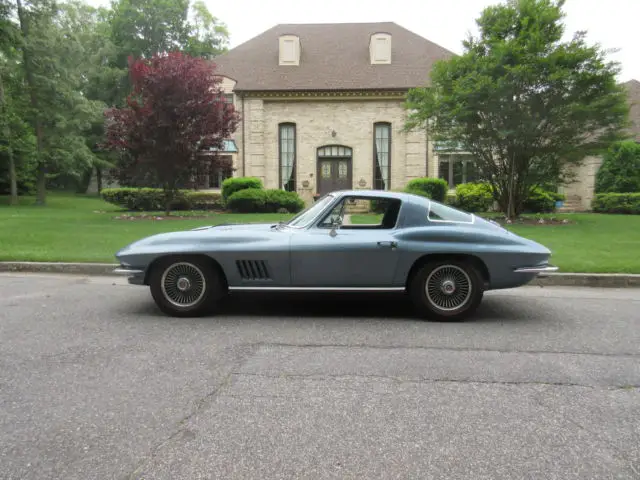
(55,68)
(522,101)
(143,28)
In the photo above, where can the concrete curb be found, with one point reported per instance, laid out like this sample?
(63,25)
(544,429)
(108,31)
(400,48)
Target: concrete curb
(59,267)
(604,280)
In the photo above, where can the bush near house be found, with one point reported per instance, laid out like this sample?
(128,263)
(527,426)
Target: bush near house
(152,199)
(433,188)
(541,201)
(473,197)
(235,184)
(628,203)
(254,200)
(477,197)
(620,169)
(277,200)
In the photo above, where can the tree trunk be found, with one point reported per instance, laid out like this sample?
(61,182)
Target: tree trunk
(6,132)
(28,67)
(99,179)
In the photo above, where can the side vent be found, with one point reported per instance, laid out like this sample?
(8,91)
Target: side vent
(253,270)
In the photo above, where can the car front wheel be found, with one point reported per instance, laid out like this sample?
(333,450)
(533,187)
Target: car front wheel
(447,290)
(185,287)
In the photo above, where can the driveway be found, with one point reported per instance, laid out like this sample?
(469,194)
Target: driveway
(543,384)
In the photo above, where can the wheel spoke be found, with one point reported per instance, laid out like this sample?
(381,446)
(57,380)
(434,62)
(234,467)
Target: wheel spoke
(448,287)
(183,284)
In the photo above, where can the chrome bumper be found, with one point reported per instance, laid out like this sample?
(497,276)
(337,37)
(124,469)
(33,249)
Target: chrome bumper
(127,271)
(540,270)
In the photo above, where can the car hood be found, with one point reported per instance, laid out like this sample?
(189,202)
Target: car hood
(199,235)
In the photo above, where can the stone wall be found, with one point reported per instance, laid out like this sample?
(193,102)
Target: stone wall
(328,122)
(582,189)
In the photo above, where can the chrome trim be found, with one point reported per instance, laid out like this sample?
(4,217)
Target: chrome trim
(320,289)
(540,269)
(127,271)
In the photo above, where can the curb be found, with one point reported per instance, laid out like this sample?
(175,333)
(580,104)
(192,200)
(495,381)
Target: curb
(598,280)
(59,267)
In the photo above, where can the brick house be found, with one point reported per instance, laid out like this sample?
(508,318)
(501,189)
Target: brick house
(581,191)
(322,106)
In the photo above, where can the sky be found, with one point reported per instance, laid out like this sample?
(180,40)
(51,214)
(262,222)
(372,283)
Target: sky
(611,23)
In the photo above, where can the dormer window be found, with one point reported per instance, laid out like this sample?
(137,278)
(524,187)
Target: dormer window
(289,50)
(380,48)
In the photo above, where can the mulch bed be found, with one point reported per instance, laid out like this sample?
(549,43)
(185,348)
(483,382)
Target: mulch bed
(533,221)
(173,216)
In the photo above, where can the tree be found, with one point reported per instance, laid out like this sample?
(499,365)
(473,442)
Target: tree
(524,103)
(175,109)
(620,169)
(143,28)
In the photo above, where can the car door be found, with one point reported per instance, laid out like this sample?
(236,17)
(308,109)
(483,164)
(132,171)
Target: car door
(344,257)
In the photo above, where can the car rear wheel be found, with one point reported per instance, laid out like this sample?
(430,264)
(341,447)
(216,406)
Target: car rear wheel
(185,287)
(447,290)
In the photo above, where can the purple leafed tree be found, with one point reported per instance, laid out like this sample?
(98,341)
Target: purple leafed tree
(175,109)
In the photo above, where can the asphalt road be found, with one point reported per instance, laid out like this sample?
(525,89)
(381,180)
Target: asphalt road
(96,384)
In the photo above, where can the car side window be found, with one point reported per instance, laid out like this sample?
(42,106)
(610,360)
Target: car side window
(364,213)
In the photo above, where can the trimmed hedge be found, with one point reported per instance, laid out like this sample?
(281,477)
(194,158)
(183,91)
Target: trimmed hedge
(433,188)
(152,199)
(235,184)
(277,200)
(627,203)
(254,200)
(249,200)
(541,201)
(473,197)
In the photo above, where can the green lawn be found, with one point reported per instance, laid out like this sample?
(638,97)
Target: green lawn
(84,228)
(592,243)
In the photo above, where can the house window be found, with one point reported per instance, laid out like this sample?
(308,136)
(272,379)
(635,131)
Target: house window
(287,143)
(457,169)
(382,156)
(228,98)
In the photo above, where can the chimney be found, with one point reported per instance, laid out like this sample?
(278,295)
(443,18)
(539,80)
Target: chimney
(289,50)
(380,48)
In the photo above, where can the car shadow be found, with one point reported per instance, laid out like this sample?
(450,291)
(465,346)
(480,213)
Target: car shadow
(383,306)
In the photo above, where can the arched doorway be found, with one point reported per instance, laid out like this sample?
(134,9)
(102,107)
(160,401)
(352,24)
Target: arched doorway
(335,168)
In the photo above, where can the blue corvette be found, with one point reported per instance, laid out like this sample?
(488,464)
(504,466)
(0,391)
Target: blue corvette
(444,258)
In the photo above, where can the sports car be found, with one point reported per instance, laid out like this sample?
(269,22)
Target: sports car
(443,258)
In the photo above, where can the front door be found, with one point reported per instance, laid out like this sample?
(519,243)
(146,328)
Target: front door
(333,174)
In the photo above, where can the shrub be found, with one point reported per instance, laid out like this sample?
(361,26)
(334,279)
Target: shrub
(620,169)
(541,201)
(249,200)
(473,197)
(204,200)
(277,199)
(152,199)
(628,203)
(232,185)
(433,188)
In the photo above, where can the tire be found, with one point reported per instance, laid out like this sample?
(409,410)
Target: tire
(196,296)
(447,290)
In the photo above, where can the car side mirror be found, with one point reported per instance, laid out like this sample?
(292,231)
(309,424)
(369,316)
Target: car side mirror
(335,225)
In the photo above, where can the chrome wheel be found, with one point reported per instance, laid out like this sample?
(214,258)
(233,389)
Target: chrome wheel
(448,287)
(183,284)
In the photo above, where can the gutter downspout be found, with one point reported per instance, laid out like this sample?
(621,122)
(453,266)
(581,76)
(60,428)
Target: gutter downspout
(427,153)
(244,150)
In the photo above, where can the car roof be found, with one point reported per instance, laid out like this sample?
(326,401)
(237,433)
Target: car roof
(375,193)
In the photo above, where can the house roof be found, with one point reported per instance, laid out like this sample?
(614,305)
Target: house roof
(333,57)
(633,90)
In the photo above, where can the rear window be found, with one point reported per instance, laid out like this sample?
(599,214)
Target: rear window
(442,213)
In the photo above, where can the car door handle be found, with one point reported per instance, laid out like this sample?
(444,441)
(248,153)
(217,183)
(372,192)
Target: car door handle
(388,244)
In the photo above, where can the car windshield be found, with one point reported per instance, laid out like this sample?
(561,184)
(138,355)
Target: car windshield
(308,214)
